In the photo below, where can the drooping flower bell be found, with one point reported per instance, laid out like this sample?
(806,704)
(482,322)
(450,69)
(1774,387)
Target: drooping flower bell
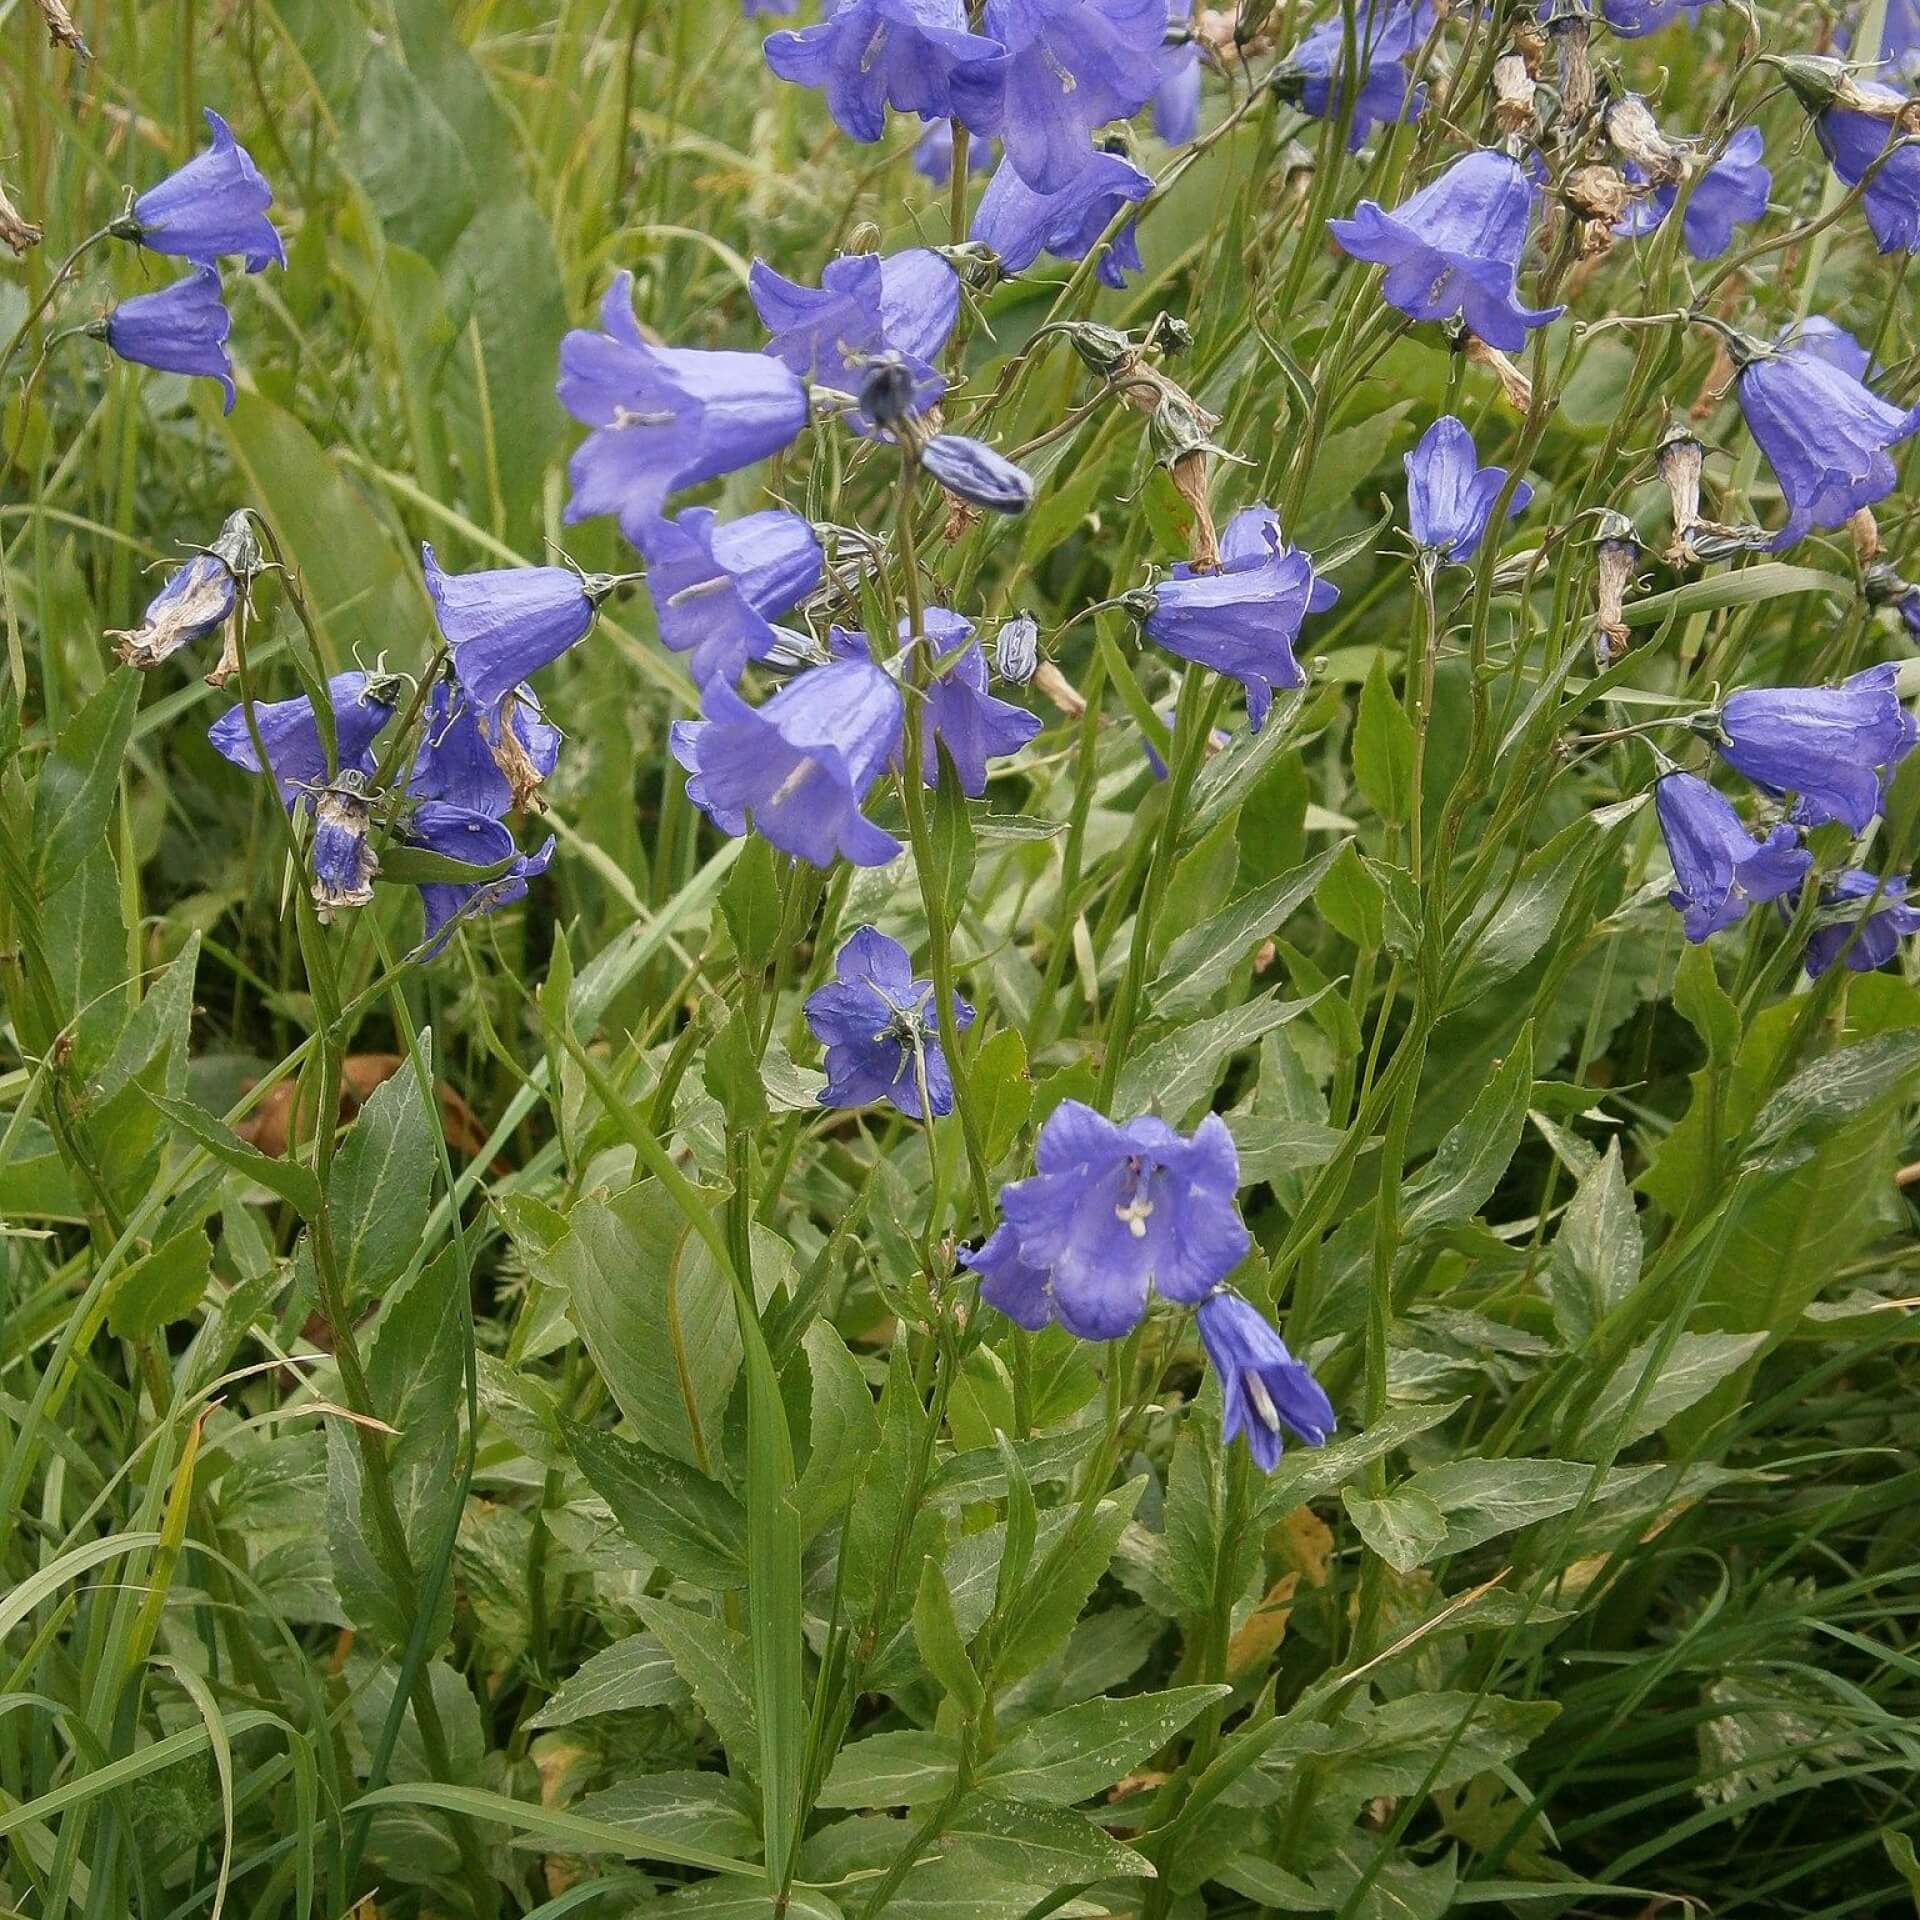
(196,598)
(1450,495)
(797,768)
(1455,247)
(1386,34)
(956,712)
(213,206)
(1110,1215)
(1719,868)
(1020,224)
(181,329)
(665,417)
(1878,940)
(1853,141)
(717,588)
(1073,66)
(1266,1390)
(1243,619)
(362,703)
(474,840)
(342,858)
(456,762)
(1833,748)
(864,309)
(1825,434)
(881,1029)
(1732,192)
(916,56)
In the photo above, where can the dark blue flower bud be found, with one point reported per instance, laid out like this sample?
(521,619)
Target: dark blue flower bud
(973,471)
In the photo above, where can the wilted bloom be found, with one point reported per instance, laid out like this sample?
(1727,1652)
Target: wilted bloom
(502,623)
(1016,649)
(343,862)
(1176,100)
(881,1029)
(865,307)
(1073,66)
(1617,551)
(1570,29)
(1265,1388)
(1730,193)
(1879,939)
(1719,868)
(216,204)
(1853,141)
(915,56)
(1454,247)
(1112,1213)
(1386,33)
(17,232)
(1241,621)
(973,472)
(1824,434)
(474,840)
(61,29)
(797,768)
(196,598)
(957,712)
(665,417)
(362,704)
(716,588)
(1831,747)
(933,153)
(1450,495)
(181,329)
(1635,135)
(481,772)
(1513,96)
(1020,224)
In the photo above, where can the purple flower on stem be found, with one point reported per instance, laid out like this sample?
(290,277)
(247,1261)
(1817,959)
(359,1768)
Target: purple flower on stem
(716,589)
(915,56)
(957,711)
(1112,1213)
(1719,868)
(1265,1388)
(864,309)
(1385,37)
(457,763)
(933,153)
(1824,433)
(1243,620)
(1853,142)
(1074,66)
(797,768)
(1020,224)
(1632,19)
(1831,747)
(1454,247)
(1879,939)
(361,704)
(881,1030)
(474,840)
(216,204)
(665,417)
(1176,100)
(1730,193)
(1450,495)
(972,470)
(181,329)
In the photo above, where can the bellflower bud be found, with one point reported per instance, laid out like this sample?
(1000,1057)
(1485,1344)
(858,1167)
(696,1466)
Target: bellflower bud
(1016,649)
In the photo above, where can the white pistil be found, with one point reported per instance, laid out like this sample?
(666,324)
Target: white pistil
(792,783)
(1262,1401)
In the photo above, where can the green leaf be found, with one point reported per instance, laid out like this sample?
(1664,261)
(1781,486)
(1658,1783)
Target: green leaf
(906,1768)
(1824,1097)
(1485,1498)
(1040,1846)
(751,902)
(705,1810)
(1745,587)
(293,1183)
(1183,1068)
(842,1431)
(1694,1366)
(1311,1473)
(731,1072)
(163,1287)
(1063,1757)
(1404,1527)
(689,1523)
(405,866)
(1596,1253)
(939,1641)
(1002,1092)
(951,837)
(1051,1603)
(1706,1006)
(383,1183)
(1383,741)
(1202,959)
(715,1660)
(634,1672)
(1467,1165)
(79,781)
(1350,898)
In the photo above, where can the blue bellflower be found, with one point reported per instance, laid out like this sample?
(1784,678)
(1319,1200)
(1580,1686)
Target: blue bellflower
(933,153)
(181,329)
(1831,747)
(1074,66)
(1243,620)
(1020,224)
(1266,1390)
(864,309)
(881,1029)
(665,417)
(1111,1214)
(1386,36)
(342,860)
(361,704)
(475,840)
(957,712)
(1176,100)
(916,56)
(1852,142)
(1878,940)
(1732,192)
(1454,247)
(1450,495)
(456,762)
(1824,433)
(1719,868)
(1633,19)
(717,589)
(797,768)
(215,205)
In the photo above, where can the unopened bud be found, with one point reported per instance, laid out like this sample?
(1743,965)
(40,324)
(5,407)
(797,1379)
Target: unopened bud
(1016,649)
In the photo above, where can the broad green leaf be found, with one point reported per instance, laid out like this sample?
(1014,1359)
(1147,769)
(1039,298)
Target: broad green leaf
(939,1639)
(163,1287)
(1182,1069)
(685,1809)
(1403,1527)
(715,1660)
(1202,959)
(689,1523)
(1043,1846)
(1485,1498)
(383,1183)
(1383,742)
(751,902)
(292,1182)
(1694,1366)
(906,1768)
(731,1071)
(1002,1092)
(1467,1165)
(1066,1756)
(1596,1253)
(79,782)
(634,1672)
